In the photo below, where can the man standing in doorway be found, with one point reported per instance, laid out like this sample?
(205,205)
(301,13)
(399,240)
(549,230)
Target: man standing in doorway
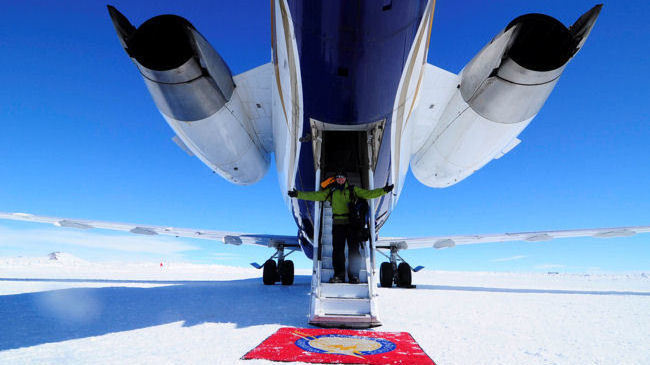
(339,195)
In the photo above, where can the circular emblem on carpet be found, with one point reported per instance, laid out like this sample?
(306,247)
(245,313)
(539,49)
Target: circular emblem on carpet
(345,345)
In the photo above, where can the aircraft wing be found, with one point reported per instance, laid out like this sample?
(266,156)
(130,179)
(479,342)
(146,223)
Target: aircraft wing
(230,238)
(451,241)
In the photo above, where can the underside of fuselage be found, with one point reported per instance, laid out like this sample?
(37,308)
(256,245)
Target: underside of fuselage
(352,55)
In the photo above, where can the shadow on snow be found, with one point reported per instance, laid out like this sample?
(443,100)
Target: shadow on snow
(530,291)
(58,315)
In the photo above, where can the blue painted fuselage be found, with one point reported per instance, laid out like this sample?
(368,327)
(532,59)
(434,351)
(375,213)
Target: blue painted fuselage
(352,54)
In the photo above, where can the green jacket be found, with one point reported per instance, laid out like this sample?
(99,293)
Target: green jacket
(340,199)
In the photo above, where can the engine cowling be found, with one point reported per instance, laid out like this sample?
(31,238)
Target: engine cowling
(501,90)
(193,89)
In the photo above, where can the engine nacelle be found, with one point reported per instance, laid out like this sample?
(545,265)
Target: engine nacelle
(193,88)
(501,90)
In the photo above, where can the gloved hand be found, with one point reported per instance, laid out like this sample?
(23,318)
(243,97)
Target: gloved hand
(389,188)
(293,193)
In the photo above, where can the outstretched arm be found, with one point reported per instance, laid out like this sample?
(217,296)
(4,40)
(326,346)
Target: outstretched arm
(317,196)
(370,194)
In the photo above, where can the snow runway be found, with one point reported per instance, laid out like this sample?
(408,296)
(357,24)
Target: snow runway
(73,311)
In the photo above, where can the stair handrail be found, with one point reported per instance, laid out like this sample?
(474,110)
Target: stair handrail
(316,260)
(369,249)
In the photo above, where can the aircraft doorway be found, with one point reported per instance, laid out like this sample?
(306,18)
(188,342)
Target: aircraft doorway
(351,148)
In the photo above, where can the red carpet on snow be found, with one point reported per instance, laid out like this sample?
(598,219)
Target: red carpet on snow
(334,346)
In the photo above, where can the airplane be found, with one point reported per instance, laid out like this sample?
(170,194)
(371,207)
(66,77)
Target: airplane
(348,88)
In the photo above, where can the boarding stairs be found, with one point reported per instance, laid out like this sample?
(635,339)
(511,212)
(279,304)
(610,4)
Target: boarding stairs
(340,304)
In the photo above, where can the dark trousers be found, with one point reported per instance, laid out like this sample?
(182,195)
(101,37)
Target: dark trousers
(340,234)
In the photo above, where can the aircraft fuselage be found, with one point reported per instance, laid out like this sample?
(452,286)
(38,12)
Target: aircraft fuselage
(343,63)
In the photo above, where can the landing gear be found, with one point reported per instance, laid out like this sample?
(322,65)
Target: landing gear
(270,273)
(386,274)
(286,272)
(391,272)
(404,275)
(282,271)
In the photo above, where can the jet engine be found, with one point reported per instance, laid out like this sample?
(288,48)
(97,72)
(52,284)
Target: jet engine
(500,91)
(193,89)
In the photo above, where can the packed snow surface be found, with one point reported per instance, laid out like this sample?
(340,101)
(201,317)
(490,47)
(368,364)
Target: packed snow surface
(67,310)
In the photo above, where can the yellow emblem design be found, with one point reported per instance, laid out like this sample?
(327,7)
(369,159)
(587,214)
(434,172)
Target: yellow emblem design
(336,344)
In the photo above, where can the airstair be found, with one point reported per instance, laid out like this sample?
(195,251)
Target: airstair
(343,304)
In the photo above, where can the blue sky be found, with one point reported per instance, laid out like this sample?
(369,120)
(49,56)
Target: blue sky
(82,138)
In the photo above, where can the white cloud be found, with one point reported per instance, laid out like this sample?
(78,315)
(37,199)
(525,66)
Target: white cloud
(512,258)
(25,239)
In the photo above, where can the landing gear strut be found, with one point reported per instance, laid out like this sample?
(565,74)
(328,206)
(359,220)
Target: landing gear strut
(282,271)
(391,272)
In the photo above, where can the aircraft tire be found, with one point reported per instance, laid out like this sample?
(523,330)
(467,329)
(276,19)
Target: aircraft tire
(403,275)
(286,272)
(386,275)
(270,272)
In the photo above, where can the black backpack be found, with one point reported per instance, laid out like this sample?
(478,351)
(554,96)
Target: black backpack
(358,216)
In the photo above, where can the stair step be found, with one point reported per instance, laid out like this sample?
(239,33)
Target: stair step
(326,263)
(327,274)
(345,306)
(337,321)
(347,316)
(326,251)
(351,291)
